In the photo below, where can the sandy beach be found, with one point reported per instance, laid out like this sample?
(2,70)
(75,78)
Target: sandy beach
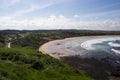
(56,48)
(46,48)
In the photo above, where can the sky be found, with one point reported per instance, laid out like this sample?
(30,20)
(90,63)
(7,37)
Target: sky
(60,14)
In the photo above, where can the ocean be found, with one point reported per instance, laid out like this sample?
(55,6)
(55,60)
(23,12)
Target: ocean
(106,47)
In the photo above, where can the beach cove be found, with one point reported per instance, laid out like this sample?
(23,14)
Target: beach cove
(79,46)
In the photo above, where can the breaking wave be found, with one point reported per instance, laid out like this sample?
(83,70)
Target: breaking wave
(88,45)
(113,44)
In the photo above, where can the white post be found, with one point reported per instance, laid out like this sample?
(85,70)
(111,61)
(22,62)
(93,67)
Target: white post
(9,45)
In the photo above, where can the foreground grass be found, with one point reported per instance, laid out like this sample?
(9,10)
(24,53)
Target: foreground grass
(27,64)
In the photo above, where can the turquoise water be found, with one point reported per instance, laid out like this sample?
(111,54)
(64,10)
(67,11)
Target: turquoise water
(105,46)
(108,49)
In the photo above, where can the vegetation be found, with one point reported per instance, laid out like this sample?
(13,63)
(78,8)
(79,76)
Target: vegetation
(33,39)
(27,64)
(23,62)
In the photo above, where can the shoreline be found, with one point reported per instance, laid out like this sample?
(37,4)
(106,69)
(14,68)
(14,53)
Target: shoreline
(91,66)
(51,47)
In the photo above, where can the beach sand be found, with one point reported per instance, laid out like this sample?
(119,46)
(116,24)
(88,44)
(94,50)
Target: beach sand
(91,66)
(56,48)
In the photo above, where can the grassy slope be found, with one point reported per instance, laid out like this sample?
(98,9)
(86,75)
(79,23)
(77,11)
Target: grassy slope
(27,64)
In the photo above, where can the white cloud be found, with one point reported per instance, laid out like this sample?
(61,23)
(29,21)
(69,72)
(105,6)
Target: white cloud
(30,9)
(76,16)
(21,7)
(58,22)
(9,3)
(12,2)
(103,14)
(34,6)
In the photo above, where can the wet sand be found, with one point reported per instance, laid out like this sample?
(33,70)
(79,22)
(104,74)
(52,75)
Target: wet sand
(57,49)
(97,69)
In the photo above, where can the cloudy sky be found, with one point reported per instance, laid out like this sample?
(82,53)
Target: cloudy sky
(60,14)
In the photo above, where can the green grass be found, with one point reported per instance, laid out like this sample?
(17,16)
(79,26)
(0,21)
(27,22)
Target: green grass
(27,64)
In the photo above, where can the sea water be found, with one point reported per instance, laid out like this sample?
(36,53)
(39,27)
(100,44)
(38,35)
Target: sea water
(99,47)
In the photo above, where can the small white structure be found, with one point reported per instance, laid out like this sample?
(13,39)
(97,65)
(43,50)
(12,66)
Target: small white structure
(9,42)
(9,45)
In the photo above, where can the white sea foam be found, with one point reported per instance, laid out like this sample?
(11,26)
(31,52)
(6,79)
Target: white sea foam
(88,44)
(71,44)
(114,44)
(116,51)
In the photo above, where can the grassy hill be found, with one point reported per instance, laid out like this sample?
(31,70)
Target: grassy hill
(27,64)
(23,62)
